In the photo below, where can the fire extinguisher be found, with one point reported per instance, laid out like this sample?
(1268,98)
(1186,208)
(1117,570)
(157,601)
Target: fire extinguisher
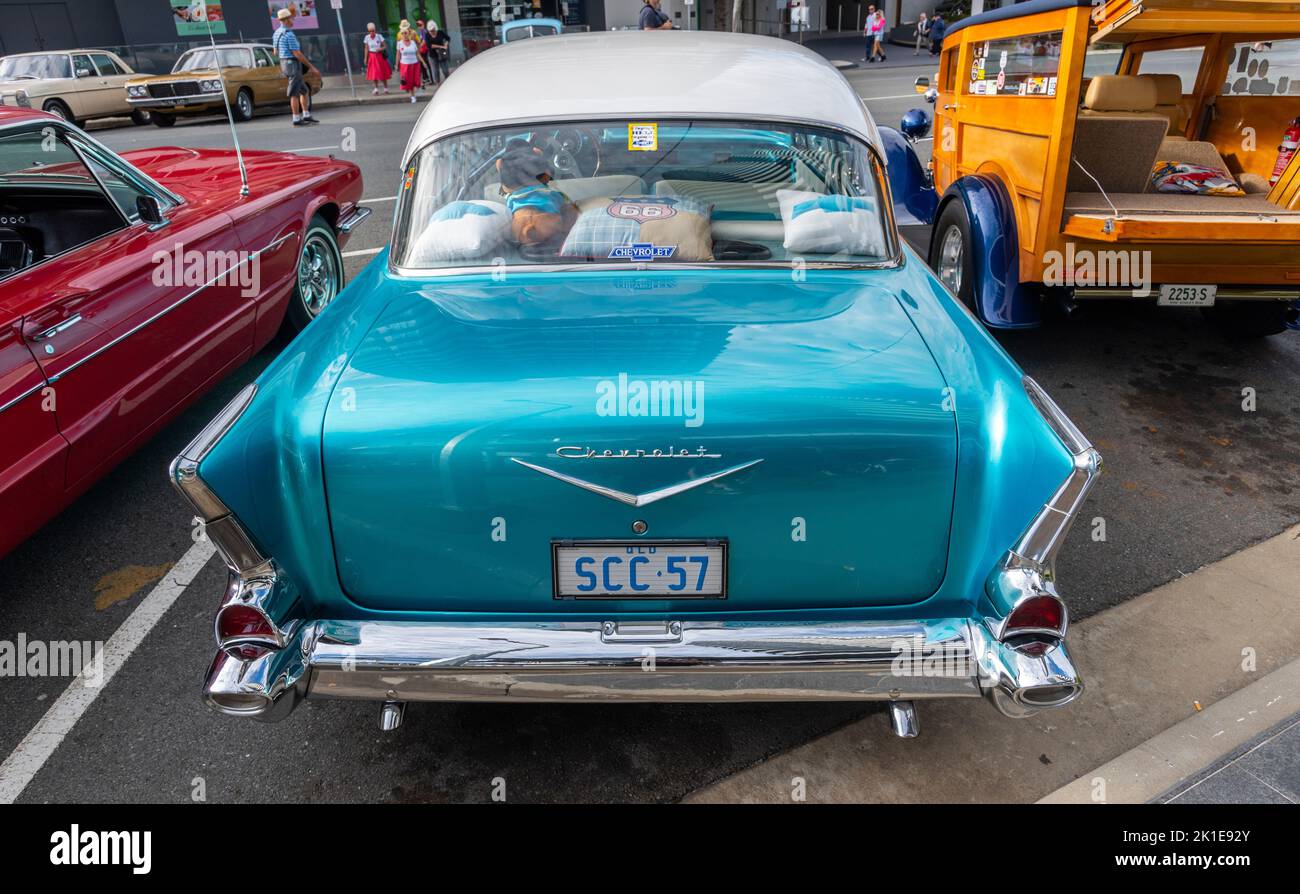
(1287,151)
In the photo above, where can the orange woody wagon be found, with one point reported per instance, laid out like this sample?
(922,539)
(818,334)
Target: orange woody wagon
(1140,150)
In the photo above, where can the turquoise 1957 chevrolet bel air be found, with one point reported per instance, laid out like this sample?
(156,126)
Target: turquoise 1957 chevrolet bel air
(645,401)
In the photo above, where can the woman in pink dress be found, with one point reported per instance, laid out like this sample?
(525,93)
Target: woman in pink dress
(377,68)
(408,59)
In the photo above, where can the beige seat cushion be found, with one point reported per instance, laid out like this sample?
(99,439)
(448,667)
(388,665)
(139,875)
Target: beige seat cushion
(1118,151)
(1193,152)
(1169,98)
(1119,95)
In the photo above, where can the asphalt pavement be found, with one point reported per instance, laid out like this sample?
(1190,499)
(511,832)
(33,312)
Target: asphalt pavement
(1191,476)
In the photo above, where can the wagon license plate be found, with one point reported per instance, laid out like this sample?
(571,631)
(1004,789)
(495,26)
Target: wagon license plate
(1186,296)
(640,569)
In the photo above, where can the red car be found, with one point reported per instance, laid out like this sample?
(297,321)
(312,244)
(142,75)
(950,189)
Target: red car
(129,285)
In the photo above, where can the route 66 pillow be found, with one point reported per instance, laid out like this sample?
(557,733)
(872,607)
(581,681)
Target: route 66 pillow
(641,228)
(830,224)
(460,231)
(1190,179)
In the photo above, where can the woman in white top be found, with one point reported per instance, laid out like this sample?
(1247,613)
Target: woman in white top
(408,60)
(378,70)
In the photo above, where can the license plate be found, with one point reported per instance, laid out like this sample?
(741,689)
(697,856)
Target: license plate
(1187,296)
(639,569)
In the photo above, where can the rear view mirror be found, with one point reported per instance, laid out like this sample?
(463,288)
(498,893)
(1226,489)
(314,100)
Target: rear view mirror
(921,85)
(84,72)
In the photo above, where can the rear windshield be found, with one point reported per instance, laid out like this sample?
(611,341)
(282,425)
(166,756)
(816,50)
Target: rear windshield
(642,192)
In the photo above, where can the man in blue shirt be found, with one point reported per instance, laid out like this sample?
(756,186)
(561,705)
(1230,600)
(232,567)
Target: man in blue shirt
(294,65)
(652,19)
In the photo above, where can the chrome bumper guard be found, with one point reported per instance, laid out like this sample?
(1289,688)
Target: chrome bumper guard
(687,661)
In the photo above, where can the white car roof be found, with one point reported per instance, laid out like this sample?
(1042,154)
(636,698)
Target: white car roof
(643,74)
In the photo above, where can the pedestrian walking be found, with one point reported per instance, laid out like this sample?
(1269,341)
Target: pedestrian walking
(652,19)
(922,34)
(873,30)
(878,33)
(408,59)
(378,71)
(439,51)
(426,73)
(937,28)
(294,65)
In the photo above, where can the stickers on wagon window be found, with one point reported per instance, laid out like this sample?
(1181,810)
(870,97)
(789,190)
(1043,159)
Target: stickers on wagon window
(642,136)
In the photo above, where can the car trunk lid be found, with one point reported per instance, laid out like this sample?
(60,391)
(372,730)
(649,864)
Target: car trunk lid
(457,419)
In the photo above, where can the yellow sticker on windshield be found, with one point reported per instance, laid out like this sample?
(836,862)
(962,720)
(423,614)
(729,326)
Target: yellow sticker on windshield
(642,136)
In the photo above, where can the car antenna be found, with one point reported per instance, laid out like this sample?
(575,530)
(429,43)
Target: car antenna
(230,118)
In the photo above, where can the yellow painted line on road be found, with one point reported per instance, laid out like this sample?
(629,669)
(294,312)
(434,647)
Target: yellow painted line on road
(120,585)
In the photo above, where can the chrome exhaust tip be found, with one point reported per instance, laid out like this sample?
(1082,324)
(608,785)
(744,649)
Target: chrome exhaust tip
(390,715)
(903,719)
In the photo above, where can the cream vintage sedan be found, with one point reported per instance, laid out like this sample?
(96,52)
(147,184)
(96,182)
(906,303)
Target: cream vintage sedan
(76,85)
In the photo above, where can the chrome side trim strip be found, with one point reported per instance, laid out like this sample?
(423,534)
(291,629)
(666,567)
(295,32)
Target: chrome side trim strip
(638,500)
(166,310)
(13,402)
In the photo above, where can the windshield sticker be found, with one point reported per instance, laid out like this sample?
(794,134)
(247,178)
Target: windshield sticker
(642,251)
(643,137)
(642,209)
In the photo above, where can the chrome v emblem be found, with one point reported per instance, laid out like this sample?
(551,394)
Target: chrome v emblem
(637,499)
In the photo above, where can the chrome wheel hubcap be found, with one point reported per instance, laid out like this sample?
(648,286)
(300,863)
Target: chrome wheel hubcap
(318,274)
(245,107)
(951,252)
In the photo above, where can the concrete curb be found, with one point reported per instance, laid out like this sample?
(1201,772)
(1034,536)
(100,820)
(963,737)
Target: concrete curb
(1147,663)
(1183,750)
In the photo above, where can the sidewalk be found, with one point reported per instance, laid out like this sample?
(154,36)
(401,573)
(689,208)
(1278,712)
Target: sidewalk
(846,50)
(1168,681)
(335,92)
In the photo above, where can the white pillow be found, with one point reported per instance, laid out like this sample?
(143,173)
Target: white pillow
(830,224)
(460,231)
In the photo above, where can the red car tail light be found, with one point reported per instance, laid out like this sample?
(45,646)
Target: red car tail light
(1038,614)
(246,632)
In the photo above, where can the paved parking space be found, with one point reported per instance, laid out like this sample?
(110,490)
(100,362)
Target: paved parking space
(1191,476)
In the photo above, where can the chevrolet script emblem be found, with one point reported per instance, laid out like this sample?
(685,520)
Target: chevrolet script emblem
(637,499)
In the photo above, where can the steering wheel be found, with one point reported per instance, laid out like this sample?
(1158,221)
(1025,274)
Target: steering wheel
(570,152)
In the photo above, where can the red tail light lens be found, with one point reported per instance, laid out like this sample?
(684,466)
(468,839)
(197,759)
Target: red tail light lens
(1039,613)
(245,632)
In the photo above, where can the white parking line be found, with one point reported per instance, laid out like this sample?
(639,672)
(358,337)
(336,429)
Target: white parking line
(362,252)
(380,199)
(21,766)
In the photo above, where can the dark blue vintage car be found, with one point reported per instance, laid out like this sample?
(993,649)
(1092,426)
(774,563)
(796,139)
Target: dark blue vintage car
(646,400)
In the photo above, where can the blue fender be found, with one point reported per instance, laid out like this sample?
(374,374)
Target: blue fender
(914,195)
(1002,300)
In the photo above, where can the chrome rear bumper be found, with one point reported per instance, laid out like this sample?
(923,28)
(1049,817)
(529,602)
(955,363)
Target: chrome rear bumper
(673,661)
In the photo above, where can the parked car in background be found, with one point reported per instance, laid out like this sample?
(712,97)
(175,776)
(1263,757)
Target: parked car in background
(523,29)
(130,285)
(252,78)
(647,400)
(1119,151)
(76,85)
